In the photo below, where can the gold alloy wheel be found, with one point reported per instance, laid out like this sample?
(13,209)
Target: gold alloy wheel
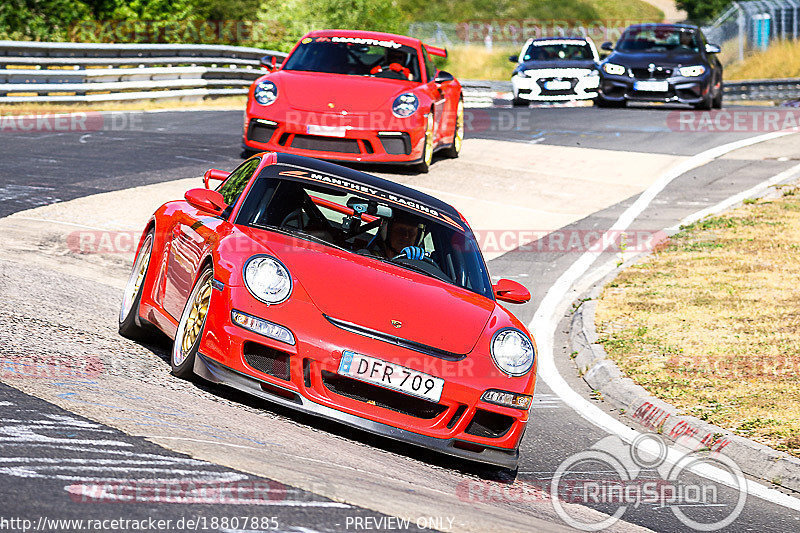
(137,278)
(429,140)
(458,139)
(196,317)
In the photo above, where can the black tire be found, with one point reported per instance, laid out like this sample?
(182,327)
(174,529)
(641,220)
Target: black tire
(247,153)
(427,151)
(184,348)
(458,135)
(130,324)
(717,102)
(519,102)
(707,102)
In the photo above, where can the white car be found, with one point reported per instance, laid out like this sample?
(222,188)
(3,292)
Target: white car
(555,69)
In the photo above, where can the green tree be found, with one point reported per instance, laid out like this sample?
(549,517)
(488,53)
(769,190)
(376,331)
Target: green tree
(701,11)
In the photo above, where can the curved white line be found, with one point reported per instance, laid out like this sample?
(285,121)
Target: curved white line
(559,296)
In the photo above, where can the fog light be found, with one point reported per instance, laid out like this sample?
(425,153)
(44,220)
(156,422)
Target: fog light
(262,327)
(507,399)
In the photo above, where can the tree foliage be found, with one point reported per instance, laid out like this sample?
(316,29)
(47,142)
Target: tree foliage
(701,11)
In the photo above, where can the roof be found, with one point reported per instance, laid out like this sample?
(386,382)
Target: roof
(665,25)
(375,182)
(561,38)
(378,36)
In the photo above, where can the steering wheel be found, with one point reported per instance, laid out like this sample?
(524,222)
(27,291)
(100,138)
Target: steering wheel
(297,215)
(394,67)
(425,259)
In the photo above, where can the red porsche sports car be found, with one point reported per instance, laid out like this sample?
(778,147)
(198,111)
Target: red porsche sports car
(356,96)
(340,294)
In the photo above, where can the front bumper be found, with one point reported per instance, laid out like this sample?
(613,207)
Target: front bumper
(305,378)
(216,372)
(582,87)
(361,138)
(678,89)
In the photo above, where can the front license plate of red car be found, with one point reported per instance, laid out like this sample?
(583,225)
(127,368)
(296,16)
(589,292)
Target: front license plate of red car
(328,131)
(390,376)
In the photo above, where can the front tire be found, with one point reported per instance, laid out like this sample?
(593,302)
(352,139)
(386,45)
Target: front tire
(192,326)
(458,133)
(602,102)
(717,102)
(427,151)
(129,322)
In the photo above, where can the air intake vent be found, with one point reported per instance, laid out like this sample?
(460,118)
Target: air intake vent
(267,360)
(489,424)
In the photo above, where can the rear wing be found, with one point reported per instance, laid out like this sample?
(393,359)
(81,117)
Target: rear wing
(436,51)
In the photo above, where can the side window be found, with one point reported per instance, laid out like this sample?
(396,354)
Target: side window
(232,187)
(430,68)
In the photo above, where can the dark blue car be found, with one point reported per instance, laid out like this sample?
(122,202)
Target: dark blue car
(669,63)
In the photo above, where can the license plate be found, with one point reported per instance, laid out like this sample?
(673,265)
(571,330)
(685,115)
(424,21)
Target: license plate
(651,86)
(328,131)
(390,376)
(557,85)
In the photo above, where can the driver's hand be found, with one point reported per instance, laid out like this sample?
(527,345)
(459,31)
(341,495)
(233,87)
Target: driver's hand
(413,252)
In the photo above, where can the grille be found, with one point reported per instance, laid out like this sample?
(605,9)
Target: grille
(559,92)
(396,145)
(489,424)
(260,132)
(374,395)
(267,360)
(325,144)
(659,73)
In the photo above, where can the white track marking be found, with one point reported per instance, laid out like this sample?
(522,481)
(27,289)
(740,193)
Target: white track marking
(558,298)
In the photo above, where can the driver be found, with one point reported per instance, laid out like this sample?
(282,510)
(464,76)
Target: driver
(687,39)
(399,235)
(395,57)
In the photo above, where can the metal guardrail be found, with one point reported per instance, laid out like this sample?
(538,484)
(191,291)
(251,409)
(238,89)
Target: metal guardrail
(78,72)
(479,93)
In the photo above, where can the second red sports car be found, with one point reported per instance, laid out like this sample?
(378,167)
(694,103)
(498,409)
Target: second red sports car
(356,96)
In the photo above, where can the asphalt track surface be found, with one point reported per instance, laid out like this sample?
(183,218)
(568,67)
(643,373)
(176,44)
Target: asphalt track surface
(39,168)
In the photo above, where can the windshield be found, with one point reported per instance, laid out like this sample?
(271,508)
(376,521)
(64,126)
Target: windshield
(659,39)
(558,51)
(360,224)
(356,57)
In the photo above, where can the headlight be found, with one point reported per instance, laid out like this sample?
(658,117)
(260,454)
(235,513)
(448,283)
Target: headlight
(405,105)
(512,352)
(266,93)
(616,70)
(692,71)
(267,279)
(507,399)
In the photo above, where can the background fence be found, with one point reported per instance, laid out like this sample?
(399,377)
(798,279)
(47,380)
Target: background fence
(74,72)
(754,24)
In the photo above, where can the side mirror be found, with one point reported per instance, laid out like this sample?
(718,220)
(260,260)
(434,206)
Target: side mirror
(443,76)
(513,59)
(510,291)
(712,48)
(608,46)
(206,200)
(269,62)
(216,175)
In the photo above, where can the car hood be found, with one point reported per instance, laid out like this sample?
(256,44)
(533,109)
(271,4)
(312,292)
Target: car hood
(372,294)
(671,58)
(566,63)
(315,91)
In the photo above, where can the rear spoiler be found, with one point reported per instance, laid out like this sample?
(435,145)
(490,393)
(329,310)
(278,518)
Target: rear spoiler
(436,51)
